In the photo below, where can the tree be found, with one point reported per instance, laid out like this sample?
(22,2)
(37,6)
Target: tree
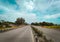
(35,23)
(20,21)
(43,23)
(4,24)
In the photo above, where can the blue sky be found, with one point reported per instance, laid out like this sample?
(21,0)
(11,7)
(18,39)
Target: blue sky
(30,10)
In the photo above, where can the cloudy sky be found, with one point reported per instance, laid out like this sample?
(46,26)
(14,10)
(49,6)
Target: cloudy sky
(30,10)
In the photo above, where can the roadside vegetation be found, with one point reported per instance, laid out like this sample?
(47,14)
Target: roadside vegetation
(47,25)
(7,25)
(52,27)
(39,36)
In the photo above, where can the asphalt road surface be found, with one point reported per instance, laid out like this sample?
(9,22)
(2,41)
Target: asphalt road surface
(50,33)
(23,34)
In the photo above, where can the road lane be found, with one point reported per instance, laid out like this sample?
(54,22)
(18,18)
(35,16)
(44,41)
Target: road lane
(50,33)
(18,35)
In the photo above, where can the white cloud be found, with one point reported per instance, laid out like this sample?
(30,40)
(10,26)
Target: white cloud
(51,16)
(25,5)
(42,5)
(11,15)
(29,5)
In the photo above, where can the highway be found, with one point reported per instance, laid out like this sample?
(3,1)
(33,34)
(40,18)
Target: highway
(23,34)
(50,33)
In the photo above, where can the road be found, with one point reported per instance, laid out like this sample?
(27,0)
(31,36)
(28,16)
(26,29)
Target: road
(50,33)
(23,34)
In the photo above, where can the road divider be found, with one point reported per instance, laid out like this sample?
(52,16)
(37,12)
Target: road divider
(39,36)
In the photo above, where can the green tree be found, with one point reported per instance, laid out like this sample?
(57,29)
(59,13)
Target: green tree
(20,21)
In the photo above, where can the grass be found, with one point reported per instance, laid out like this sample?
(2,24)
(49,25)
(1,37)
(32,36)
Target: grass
(3,29)
(53,27)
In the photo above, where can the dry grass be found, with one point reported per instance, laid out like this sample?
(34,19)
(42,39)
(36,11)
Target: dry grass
(2,29)
(53,27)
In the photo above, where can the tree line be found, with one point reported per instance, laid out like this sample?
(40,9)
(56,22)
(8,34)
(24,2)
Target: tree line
(19,21)
(43,24)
